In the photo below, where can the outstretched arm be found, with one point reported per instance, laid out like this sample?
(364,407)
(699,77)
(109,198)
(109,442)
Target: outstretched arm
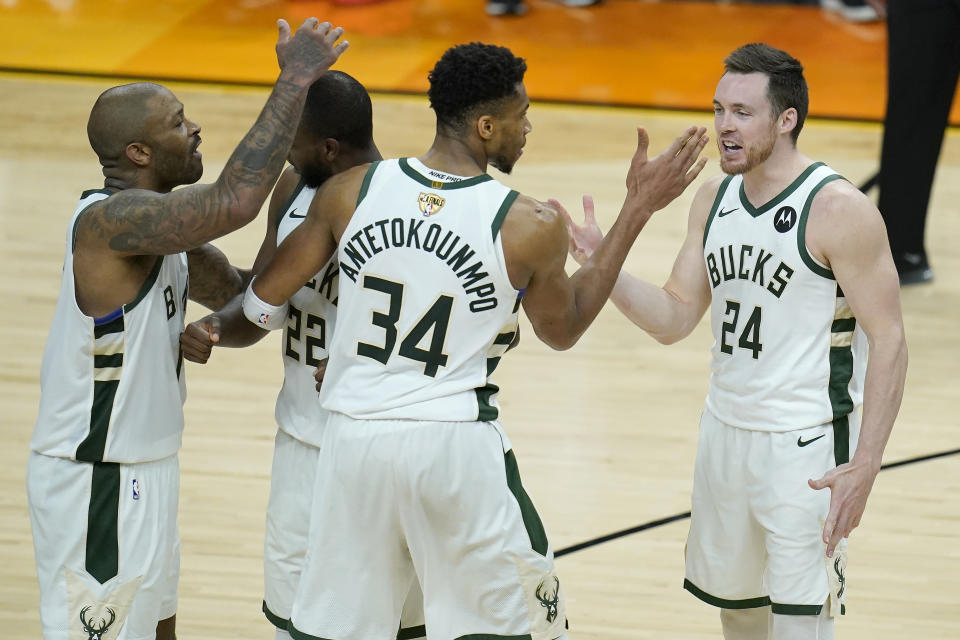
(561,308)
(668,313)
(138,222)
(847,232)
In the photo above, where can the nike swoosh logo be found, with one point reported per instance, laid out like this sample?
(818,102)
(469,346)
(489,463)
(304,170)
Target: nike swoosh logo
(293,214)
(802,443)
(723,213)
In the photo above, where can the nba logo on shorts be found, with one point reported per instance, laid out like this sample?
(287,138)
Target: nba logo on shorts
(263,318)
(136,489)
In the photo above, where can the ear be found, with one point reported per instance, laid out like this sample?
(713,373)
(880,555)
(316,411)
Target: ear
(331,149)
(788,120)
(138,153)
(486,126)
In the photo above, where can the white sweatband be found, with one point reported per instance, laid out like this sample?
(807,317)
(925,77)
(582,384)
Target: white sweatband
(263,314)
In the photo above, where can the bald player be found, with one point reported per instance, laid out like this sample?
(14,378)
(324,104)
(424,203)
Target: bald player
(103,475)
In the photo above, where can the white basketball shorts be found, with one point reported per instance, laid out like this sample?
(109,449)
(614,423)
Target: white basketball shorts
(756,527)
(106,545)
(292,482)
(438,502)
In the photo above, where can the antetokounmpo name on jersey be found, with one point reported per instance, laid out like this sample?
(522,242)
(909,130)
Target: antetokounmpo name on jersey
(412,234)
(747,262)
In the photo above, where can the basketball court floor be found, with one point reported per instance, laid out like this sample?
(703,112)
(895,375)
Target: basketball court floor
(605,434)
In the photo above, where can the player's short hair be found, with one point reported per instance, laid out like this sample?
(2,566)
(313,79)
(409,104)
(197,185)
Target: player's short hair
(339,107)
(786,88)
(472,77)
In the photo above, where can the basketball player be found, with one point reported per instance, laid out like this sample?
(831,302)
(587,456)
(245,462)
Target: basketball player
(103,476)
(794,265)
(335,133)
(435,259)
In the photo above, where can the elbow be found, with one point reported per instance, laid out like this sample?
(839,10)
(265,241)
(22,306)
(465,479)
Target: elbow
(556,340)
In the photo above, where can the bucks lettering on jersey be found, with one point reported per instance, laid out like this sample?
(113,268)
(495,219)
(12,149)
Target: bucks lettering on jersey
(310,323)
(785,355)
(425,296)
(112,388)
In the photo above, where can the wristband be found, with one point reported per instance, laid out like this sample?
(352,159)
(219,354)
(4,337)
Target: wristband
(263,314)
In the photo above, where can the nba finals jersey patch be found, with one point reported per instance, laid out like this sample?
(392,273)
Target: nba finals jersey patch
(98,617)
(430,203)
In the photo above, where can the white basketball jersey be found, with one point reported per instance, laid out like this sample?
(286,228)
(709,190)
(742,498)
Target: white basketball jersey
(310,321)
(112,388)
(785,354)
(426,307)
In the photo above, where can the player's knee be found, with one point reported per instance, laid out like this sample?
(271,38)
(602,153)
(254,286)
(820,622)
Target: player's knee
(746,624)
(166,629)
(787,627)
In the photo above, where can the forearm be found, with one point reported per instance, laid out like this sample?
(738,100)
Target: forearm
(883,392)
(235,330)
(213,280)
(256,163)
(656,310)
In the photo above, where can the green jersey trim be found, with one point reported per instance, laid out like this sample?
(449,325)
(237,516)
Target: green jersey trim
(76,221)
(531,519)
(286,206)
(486,411)
(716,207)
(147,285)
(796,609)
(759,211)
(502,212)
(102,546)
(802,231)
(365,185)
(412,633)
(436,184)
(723,603)
(274,619)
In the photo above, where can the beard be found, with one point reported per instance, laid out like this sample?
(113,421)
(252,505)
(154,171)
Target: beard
(756,155)
(178,170)
(502,165)
(314,175)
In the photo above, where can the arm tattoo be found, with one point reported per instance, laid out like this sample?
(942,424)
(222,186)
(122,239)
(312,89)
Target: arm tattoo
(213,280)
(144,222)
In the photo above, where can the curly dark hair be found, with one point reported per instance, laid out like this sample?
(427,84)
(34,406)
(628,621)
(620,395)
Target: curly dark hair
(786,88)
(472,76)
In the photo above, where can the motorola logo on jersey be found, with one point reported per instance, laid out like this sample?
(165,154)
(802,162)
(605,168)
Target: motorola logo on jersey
(784,219)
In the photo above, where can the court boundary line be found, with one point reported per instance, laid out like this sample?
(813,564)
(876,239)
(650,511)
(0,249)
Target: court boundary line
(586,544)
(251,84)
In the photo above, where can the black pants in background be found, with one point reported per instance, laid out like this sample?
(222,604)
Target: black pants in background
(923,66)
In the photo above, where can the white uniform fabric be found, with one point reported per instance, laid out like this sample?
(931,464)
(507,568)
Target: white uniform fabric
(755,533)
(104,519)
(112,388)
(311,319)
(428,490)
(103,477)
(437,502)
(301,420)
(424,288)
(785,353)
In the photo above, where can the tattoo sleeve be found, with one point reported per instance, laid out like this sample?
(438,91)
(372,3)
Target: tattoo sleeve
(138,222)
(213,280)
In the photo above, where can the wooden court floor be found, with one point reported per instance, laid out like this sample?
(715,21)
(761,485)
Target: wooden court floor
(605,433)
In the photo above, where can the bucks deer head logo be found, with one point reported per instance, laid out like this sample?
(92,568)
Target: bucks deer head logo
(96,631)
(838,567)
(548,600)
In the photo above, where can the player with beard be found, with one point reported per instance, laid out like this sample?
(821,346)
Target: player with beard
(103,475)
(794,264)
(335,134)
(436,258)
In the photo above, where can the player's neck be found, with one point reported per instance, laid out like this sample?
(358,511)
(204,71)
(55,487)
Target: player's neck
(455,155)
(776,173)
(121,180)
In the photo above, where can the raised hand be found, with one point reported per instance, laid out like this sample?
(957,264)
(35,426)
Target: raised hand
(311,50)
(198,338)
(584,239)
(654,183)
(850,486)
